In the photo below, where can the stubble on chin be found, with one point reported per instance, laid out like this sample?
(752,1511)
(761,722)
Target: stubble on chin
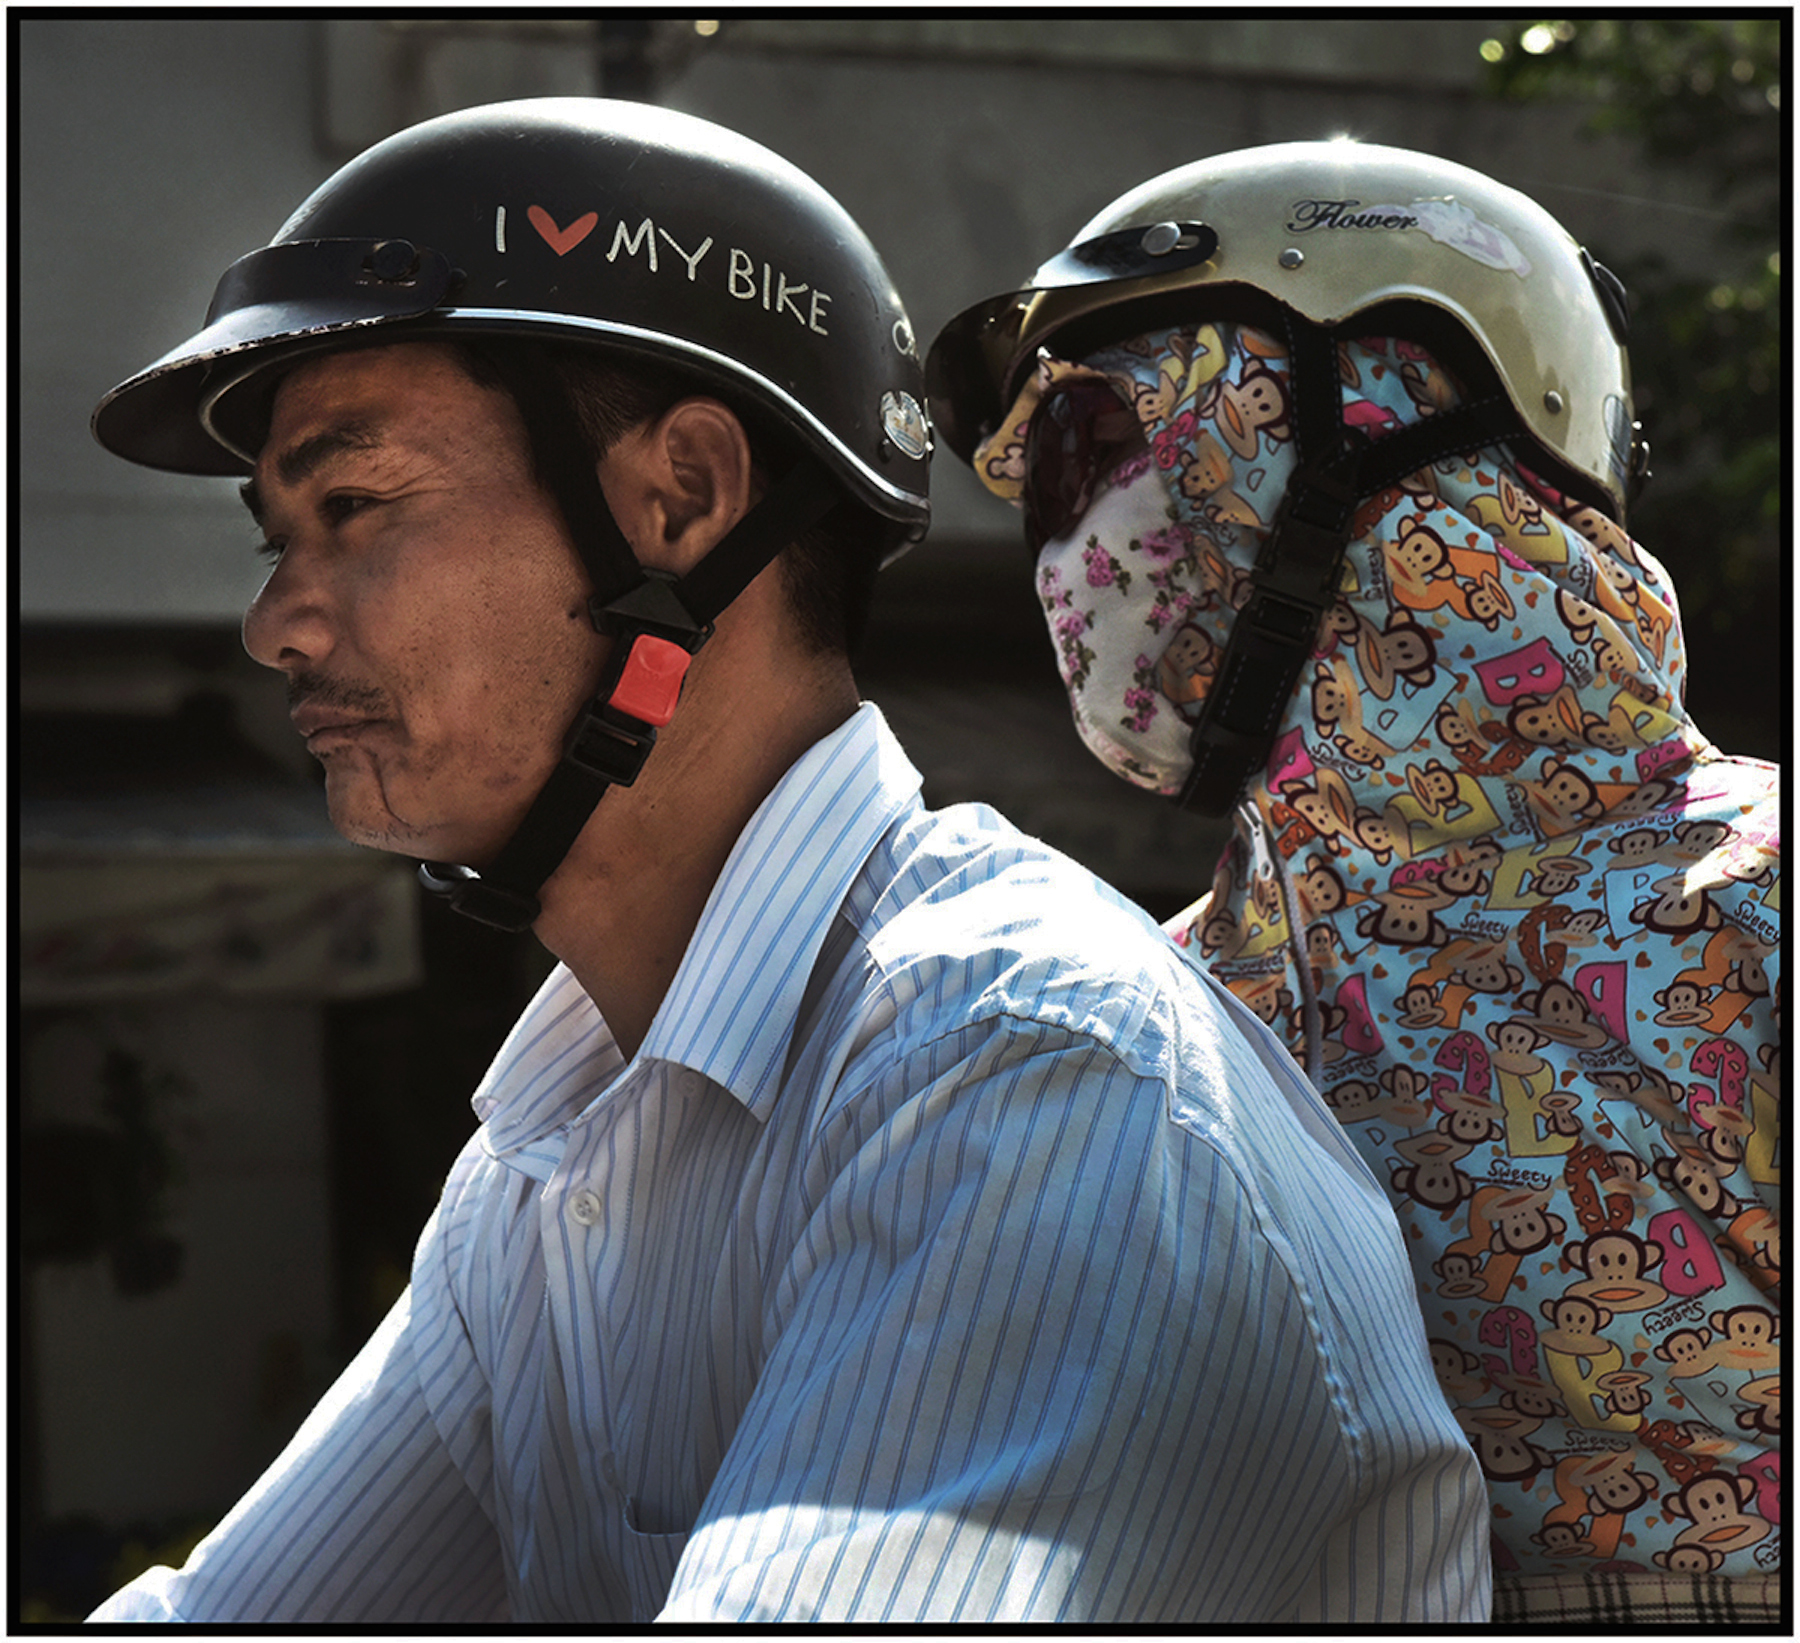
(382,804)
(356,800)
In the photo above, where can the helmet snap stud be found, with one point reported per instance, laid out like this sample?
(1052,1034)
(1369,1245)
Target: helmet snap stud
(393,260)
(1553,402)
(1292,257)
(1160,240)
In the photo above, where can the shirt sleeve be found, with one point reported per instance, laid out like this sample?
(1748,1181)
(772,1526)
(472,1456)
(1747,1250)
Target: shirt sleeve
(1032,1356)
(363,1518)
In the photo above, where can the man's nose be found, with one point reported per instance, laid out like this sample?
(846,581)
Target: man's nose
(288,625)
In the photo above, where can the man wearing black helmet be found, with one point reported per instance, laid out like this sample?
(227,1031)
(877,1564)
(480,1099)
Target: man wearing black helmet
(871,1219)
(1324,452)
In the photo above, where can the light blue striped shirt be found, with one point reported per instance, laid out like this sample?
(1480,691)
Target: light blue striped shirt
(951,1251)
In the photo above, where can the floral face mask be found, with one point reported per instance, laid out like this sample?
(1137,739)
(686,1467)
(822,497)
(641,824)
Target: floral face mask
(1475,601)
(1134,645)
(1148,475)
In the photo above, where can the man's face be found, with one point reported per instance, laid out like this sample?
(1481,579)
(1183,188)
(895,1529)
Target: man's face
(426,606)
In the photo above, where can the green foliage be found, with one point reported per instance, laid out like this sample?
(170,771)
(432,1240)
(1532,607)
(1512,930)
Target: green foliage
(1705,97)
(1698,93)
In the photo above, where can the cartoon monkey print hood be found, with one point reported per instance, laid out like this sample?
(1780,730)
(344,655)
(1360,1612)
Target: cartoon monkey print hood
(1514,913)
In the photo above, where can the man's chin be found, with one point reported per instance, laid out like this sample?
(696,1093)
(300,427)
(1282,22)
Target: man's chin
(396,841)
(378,815)
(371,825)
(387,832)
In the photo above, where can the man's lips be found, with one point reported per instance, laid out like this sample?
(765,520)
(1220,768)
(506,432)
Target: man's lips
(313,722)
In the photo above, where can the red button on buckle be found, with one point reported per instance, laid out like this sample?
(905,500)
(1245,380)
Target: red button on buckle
(650,684)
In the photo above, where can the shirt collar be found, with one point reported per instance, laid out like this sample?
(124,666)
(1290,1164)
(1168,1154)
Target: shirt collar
(730,1012)
(558,1055)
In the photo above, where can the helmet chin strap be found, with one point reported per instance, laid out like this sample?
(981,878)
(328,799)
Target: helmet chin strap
(1297,571)
(656,623)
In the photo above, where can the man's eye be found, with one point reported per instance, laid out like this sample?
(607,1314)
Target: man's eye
(340,505)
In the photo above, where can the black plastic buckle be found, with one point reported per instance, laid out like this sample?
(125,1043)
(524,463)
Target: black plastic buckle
(607,745)
(479,899)
(1305,544)
(650,605)
(1274,613)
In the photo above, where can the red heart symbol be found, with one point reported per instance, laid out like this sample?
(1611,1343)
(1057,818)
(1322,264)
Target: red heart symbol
(561,240)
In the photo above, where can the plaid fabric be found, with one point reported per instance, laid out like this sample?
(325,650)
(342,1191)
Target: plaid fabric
(1639,1600)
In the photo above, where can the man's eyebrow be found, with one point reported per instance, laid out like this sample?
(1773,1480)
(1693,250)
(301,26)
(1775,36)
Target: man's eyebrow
(301,460)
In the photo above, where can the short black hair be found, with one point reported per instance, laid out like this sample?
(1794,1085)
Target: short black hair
(827,572)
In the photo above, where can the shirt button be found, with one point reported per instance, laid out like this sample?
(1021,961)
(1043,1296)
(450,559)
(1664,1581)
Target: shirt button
(584,1206)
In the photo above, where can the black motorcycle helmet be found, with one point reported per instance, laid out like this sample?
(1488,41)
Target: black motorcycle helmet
(613,223)
(585,222)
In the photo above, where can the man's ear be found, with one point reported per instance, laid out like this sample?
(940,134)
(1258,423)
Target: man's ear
(678,484)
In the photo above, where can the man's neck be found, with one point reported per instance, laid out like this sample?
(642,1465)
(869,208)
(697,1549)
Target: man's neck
(623,907)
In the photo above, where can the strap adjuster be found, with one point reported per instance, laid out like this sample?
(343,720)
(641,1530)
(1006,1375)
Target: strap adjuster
(1300,556)
(604,746)
(480,899)
(1273,613)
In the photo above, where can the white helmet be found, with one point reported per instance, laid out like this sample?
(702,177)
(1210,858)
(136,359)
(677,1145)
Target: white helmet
(1331,232)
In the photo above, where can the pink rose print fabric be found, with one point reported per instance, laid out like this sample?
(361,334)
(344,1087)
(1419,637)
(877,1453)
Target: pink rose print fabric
(1513,912)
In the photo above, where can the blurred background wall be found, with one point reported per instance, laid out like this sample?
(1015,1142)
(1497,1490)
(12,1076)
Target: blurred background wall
(243,1049)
